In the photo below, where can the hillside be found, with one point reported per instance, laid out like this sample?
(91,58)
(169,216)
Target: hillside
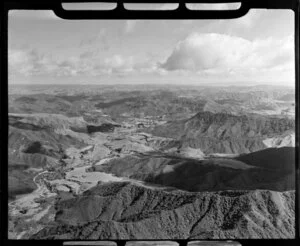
(225,133)
(151,162)
(258,170)
(34,145)
(125,211)
(271,158)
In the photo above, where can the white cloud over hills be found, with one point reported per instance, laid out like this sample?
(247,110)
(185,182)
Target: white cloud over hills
(199,53)
(203,51)
(257,47)
(31,63)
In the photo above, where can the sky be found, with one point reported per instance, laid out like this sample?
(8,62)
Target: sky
(257,48)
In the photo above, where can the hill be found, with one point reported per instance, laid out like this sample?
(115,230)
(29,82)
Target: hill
(225,133)
(126,211)
(259,170)
(34,145)
(271,158)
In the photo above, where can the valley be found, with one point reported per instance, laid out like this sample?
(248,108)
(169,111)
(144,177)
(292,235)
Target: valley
(151,162)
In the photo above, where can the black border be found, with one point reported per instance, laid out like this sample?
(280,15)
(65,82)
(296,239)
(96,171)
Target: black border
(121,13)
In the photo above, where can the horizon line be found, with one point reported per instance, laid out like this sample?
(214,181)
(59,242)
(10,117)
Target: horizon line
(154,84)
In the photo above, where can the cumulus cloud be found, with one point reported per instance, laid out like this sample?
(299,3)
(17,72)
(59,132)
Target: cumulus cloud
(212,51)
(127,65)
(31,63)
(27,62)
(200,55)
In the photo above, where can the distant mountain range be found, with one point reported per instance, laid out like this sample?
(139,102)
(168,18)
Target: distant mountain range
(171,102)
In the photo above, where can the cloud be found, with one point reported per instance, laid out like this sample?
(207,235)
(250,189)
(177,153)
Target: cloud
(32,62)
(121,65)
(218,52)
(118,64)
(200,55)
(27,62)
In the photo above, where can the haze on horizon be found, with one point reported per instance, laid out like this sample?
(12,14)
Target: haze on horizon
(257,48)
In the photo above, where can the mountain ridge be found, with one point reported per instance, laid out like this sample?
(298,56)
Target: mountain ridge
(196,218)
(225,133)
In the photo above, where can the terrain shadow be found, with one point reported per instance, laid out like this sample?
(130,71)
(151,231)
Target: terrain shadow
(271,169)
